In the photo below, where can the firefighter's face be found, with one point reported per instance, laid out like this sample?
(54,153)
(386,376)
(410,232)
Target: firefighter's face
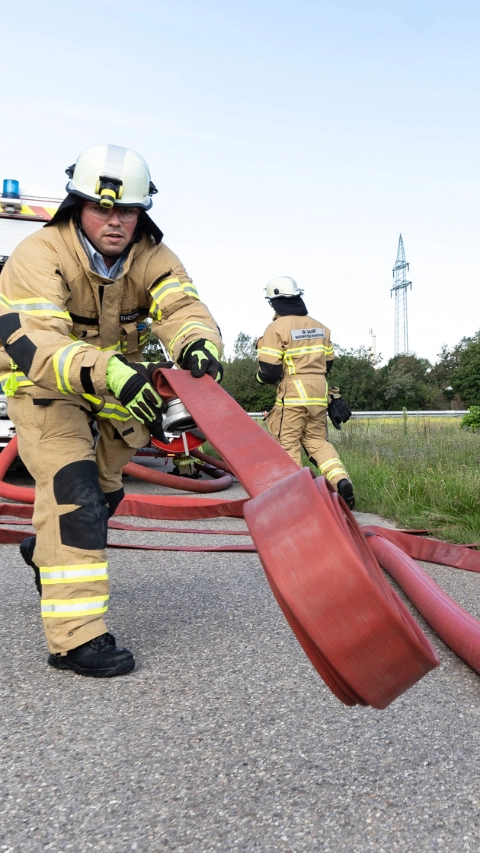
(109,229)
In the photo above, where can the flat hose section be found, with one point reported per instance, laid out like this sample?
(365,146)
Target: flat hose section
(324,570)
(354,628)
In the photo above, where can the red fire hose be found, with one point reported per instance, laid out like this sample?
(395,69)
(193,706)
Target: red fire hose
(354,628)
(148,506)
(13,493)
(161,478)
(431,550)
(457,629)
(322,570)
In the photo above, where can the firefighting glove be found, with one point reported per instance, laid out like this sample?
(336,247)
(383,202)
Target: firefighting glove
(156,428)
(131,384)
(148,368)
(338,410)
(200,358)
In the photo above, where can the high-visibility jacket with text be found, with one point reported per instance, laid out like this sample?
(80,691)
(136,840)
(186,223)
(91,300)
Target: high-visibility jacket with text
(295,350)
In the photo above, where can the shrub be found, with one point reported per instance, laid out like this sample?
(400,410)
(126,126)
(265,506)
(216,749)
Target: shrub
(471,420)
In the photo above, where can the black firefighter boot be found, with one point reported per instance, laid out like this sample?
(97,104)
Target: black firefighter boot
(345,490)
(27,547)
(99,658)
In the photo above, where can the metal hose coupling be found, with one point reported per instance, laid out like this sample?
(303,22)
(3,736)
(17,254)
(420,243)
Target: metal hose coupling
(177,419)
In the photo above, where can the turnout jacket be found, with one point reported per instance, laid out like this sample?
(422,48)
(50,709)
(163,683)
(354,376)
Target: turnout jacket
(61,322)
(294,351)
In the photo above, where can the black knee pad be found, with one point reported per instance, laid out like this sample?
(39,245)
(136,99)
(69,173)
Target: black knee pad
(86,526)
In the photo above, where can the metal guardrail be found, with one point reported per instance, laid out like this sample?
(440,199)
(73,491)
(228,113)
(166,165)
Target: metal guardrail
(432,413)
(7,429)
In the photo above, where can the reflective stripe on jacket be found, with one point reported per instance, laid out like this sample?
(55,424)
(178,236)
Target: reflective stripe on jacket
(302,346)
(58,316)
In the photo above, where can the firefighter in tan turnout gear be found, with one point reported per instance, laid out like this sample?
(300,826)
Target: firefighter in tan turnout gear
(74,298)
(295,352)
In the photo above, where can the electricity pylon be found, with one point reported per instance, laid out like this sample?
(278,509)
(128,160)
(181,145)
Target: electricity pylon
(399,287)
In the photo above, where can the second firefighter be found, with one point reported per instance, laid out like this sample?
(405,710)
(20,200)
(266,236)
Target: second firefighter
(295,351)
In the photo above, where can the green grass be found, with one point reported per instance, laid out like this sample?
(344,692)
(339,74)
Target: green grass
(425,474)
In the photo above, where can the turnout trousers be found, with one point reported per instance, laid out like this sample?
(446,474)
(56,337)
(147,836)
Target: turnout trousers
(297,426)
(76,462)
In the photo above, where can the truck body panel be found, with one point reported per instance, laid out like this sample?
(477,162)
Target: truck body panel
(20,216)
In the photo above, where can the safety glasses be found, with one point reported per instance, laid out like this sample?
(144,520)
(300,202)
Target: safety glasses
(125,214)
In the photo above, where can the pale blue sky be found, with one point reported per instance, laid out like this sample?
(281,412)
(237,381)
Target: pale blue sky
(284,138)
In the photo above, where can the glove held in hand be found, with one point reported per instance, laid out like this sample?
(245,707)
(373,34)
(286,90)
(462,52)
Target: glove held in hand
(338,411)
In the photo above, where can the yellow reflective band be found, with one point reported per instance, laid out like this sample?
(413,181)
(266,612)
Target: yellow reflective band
(114,410)
(172,285)
(332,468)
(190,288)
(155,312)
(188,328)
(108,410)
(166,288)
(333,461)
(62,361)
(301,401)
(118,347)
(335,473)
(74,574)
(168,285)
(297,351)
(301,389)
(276,353)
(56,608)
(35,307)
(9,382)
(96,401)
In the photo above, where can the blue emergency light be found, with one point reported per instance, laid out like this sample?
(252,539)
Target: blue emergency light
(11,189)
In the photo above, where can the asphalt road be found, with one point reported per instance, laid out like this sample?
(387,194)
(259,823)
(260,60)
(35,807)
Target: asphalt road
(224,738)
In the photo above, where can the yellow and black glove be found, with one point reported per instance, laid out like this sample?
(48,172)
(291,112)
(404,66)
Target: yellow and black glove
(130,382)
(200,358)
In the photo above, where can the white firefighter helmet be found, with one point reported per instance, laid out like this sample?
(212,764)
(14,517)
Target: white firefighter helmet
(282,286)
(111,175)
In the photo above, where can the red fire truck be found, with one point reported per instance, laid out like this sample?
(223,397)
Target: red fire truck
(20,215)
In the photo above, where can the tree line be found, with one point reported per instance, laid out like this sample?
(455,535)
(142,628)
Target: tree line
(453,382)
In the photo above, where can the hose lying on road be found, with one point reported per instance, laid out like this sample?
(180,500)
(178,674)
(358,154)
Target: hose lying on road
(457,628)
(160,478)
(165,507)
(324,573)
(349,621)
